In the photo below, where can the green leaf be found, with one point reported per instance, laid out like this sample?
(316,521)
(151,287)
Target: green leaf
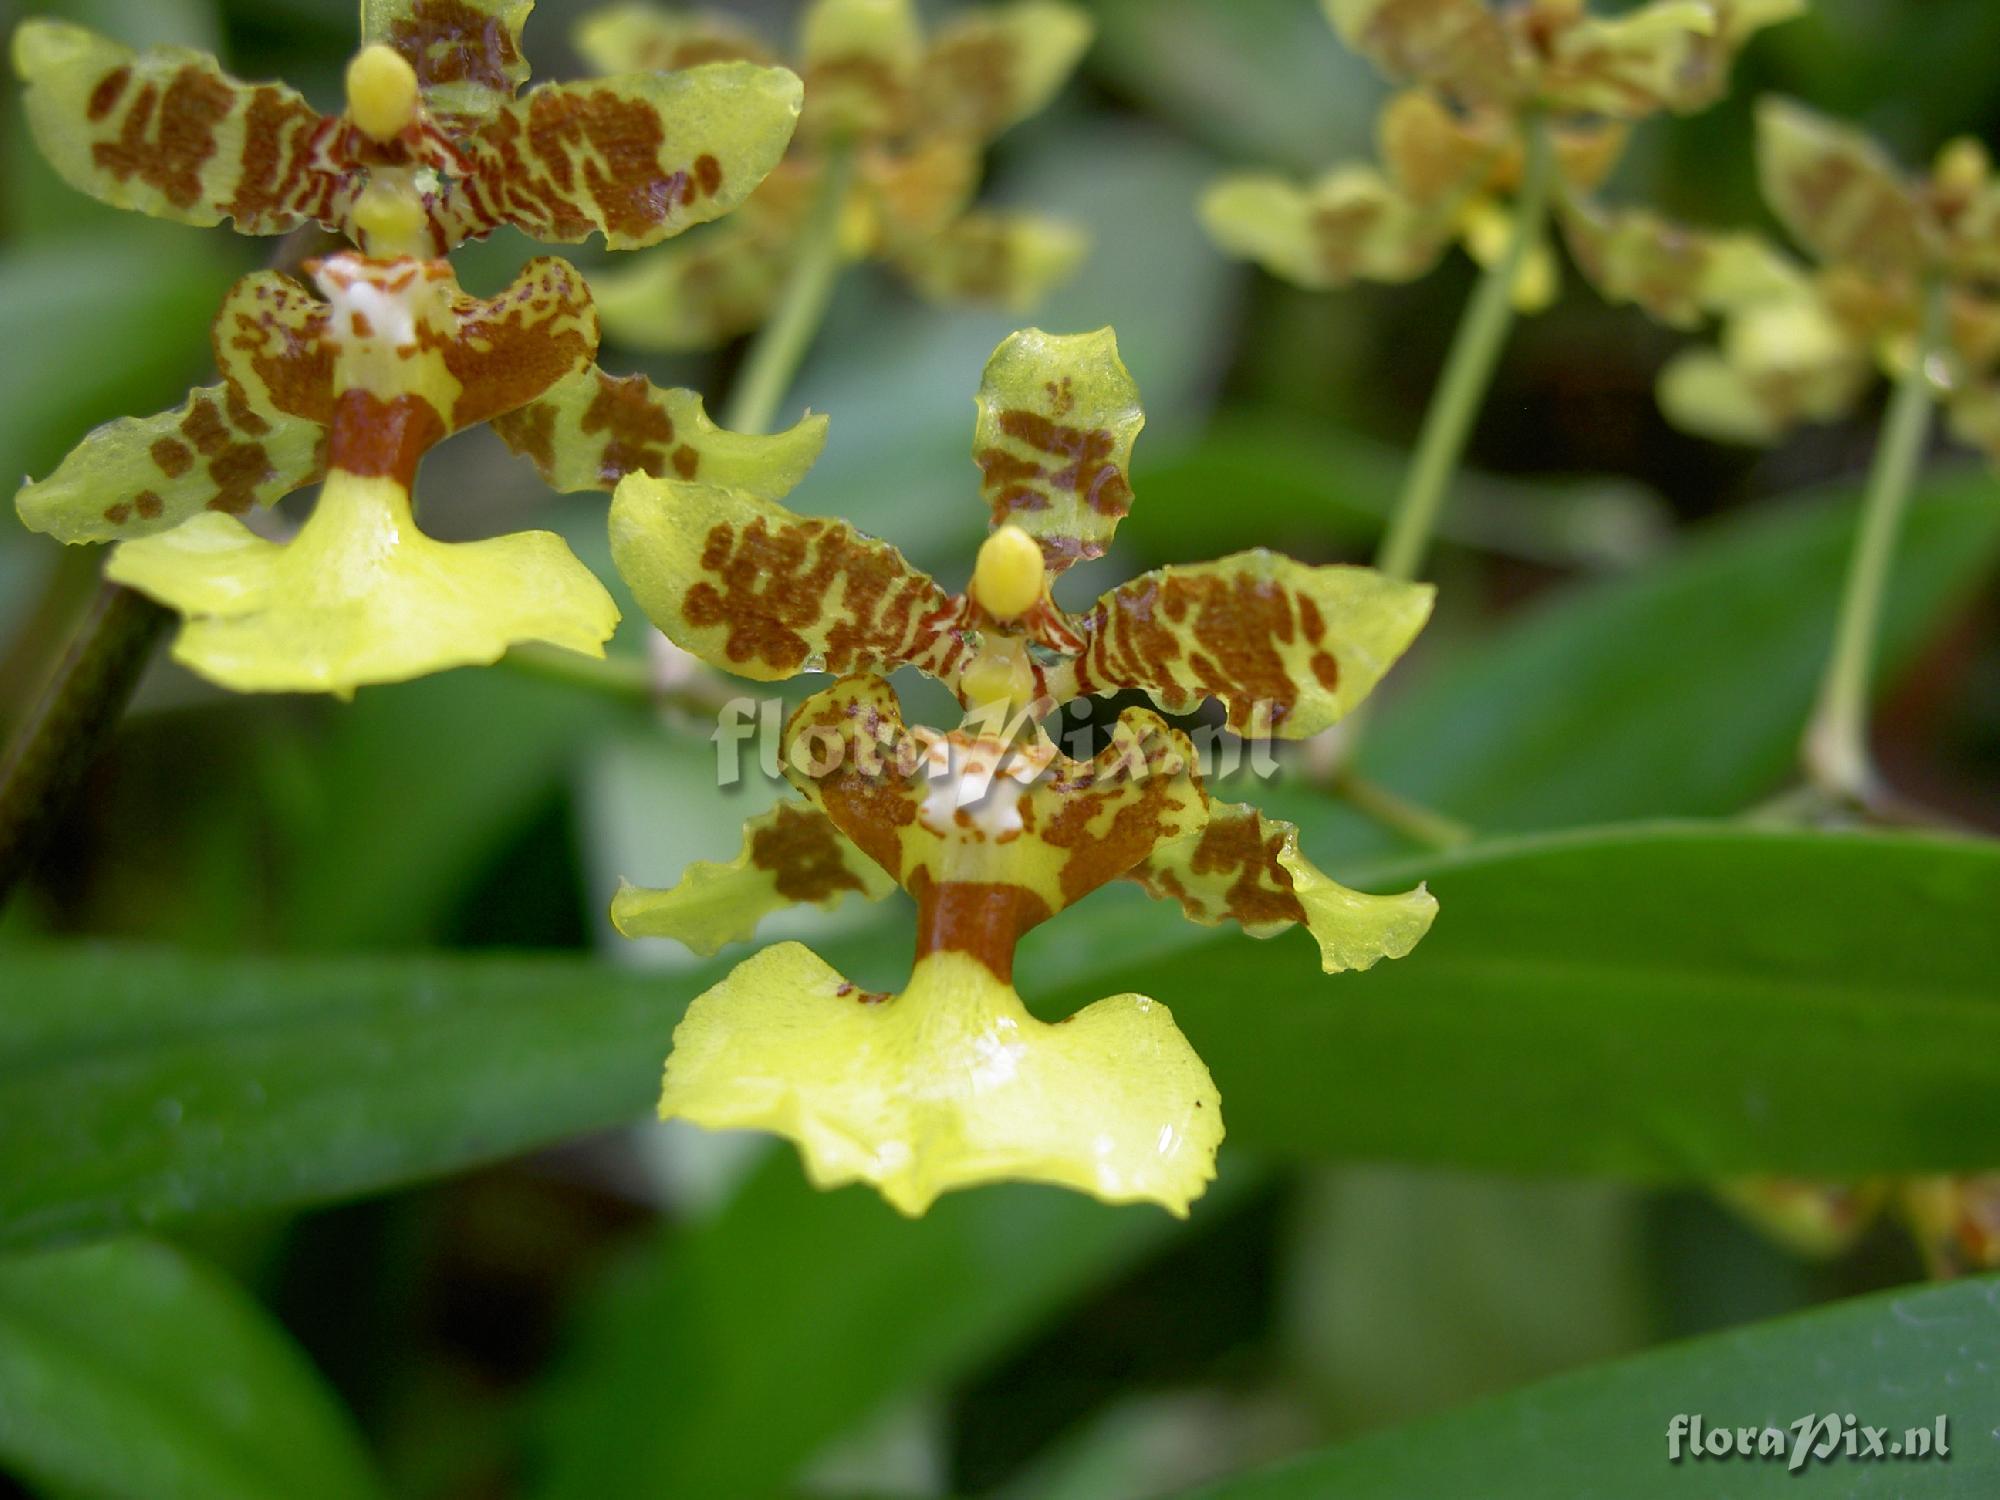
(1671,1003)
(795,1314)
(1898,1361)
(1665,1002)
(129,1370)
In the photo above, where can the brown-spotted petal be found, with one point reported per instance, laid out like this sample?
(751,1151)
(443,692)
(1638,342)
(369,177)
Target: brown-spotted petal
(1287,649)
(140,475)
(1438,156)
(166,132)
(636,158)
(756,590)
(1058,414)
(646,38)
(991,67)
(1838,192)
(694,295)
(1678,275)
(1351,224)
(1011,260)
(792,856)
(1458,46)
(593,429)
(1668,55)
(466,53)
(1245,868)
(861,59)
(515,348)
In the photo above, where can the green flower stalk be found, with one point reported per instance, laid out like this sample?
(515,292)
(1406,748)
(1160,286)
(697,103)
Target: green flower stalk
(884,166)
(987,825)
(350,384)
(1510,111)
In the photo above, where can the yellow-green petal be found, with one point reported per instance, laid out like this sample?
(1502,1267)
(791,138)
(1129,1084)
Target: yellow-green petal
(466,53)
(1012,260)
(636,158)
(792,855)
(593,429)
(360,595)
(1353,223)
(652,39)
(1458,46)
(166,132)
(692,296)
(861,59)
(1635,64)
(1678,275)
(1058,414)
(948,1085)
(1838,192)
(140,475)
(1246,868)
(750,587)
(992,67)
(1286,648)
(1782,362)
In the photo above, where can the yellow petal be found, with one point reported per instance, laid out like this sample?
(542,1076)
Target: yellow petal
(861,59)
(950,1084)
(792,855)
(695,295)
(360,596)
(1286,648)
(1458,46)
(1246,868)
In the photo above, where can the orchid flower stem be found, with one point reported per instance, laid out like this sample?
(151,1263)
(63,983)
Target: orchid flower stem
(58,741)
(1468,372)
(1412,820)
(786,338)
(1835,750)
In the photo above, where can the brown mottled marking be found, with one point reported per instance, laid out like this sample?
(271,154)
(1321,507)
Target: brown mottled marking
(1261,894)
(531,431)
(505,359)
(169,155)
(236,467)
(982,918)
(708,172)
(802,852)
(687,462)
(118,514)
(1337,234)
(1088,473)
(448,41)
(382,439)
(110,89)
(280,174)
(149,504)
(172,458)
(1137,827)
(633,195)
(975,76)
(636,427)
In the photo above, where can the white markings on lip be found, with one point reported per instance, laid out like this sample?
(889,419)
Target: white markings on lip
(982,779)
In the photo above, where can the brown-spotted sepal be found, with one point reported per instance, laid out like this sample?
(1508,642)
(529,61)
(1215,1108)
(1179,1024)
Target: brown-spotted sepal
(1058,415)
(166,132)
(1457,46)
(1286,648)
(466,53)
(990,67)
(591,430)
(748,586)
(1245,868)
(140,475)
(792,855)
(1679,276)
(1838,193)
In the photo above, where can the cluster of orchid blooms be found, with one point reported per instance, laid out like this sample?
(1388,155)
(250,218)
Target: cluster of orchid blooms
(986,824)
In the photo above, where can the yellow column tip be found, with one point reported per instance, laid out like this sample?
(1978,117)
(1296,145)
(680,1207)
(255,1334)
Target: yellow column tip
(381,92)
(1007,580)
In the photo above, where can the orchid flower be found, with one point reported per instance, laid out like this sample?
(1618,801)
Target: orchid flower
(914,114)
(1808,349)
(1453,144)
(350,388)
(987,826)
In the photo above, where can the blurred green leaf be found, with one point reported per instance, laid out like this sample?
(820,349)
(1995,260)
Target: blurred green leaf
(1665,1002)
(1262,478)
(725,1356)
(1898,1361)
(1677,692)
(129,1370)
(1652,1003)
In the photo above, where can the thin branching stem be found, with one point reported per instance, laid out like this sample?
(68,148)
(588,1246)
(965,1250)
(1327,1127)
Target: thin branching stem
(786,338)
(1835,750)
